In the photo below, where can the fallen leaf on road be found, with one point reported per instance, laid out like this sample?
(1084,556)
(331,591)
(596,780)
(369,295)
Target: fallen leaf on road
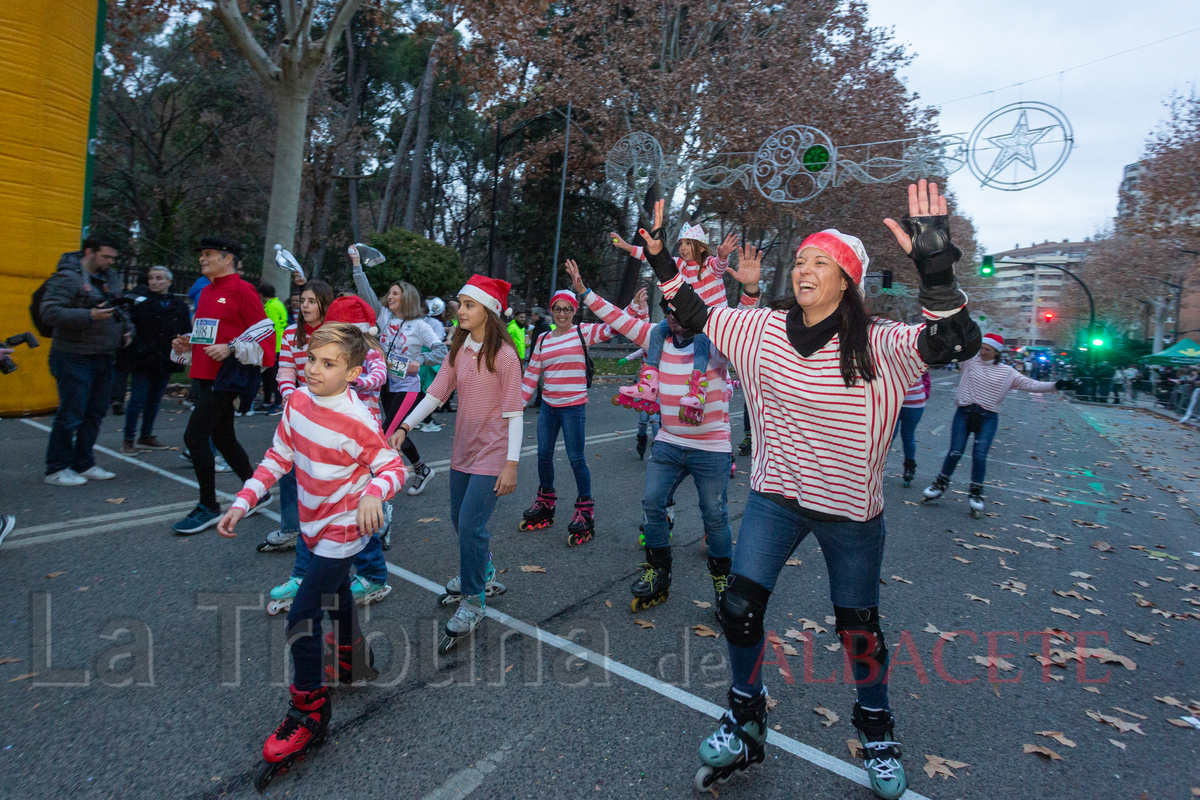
(829,716)
(532,568)
(911,503)
(1043,545)
(1083,524)
(792,633)
(1026,516)
(9,660)
(1194,708)
(1042,751)
(1056,736)
(1130,713)
(1064,612)
(1016,587)
(55,574)
(1084,575)
(704,630)
(1096,611)
(22,677)
(1091,689)
(900,580)
(429,519)
(963,560)
(1179,723)
(809,625)
(702,604)
(855,748)
(608,603)
(788,650)
(1085,585)
(980,599)
(833,648)
(1005,565)
(1072,593)
(1000,549)
(792,562)
(1118,744)
(643,623)
(1117,722)
(1164,580)
(984,535)
(936,765)
(1140,637)
(1103,547)
(931,628)
(1143,602)
(994,661)
(116,501)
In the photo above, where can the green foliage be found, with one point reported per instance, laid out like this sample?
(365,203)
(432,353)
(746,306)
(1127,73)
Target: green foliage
(433,268)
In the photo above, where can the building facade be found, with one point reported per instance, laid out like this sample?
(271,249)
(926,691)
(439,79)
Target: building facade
(1021,294)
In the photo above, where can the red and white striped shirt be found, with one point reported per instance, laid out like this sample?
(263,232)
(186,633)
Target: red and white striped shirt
(486,401)
(918,393)
(340,455)
(560,357)
(292,359)
(987,384)
(674,369)
(709,281)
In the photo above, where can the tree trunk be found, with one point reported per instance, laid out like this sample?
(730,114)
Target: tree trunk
(782,269)
(416,170)
(291,108)
(394,177)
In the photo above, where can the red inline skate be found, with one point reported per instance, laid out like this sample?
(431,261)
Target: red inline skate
(303,729)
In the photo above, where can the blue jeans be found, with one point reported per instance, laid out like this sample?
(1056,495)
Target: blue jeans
(84,395)
(853,554)
(368,562)
(325,588)
(144,399)
(472,499)
(987,422)
(658,337)
(906,426)
(572,420)
(289,503)
(651,421)
(668,465)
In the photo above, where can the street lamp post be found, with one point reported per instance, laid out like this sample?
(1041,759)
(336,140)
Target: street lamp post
(1091,302)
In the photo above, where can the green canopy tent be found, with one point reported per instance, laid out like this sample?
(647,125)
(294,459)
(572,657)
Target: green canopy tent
(1185,353)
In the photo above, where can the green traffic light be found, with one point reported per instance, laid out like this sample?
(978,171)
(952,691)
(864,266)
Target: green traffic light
(988,267)
(1098,342)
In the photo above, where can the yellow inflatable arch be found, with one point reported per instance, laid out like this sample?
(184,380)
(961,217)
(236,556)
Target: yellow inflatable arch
(49,58)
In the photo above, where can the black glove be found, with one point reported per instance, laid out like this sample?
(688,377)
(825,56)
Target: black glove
(1062,384)
(932,251)
(688,309)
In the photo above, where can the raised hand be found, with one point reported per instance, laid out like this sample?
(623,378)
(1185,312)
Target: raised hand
(620,243)
(641,299)
(576,278)
(923,201)
(727,246)
(654,245)
(749,267)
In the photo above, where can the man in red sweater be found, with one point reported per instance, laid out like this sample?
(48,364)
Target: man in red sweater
(226,349)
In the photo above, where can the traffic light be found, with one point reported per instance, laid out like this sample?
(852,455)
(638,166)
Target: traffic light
(886,281)
(1098,341)
(988,267)
(1049,315)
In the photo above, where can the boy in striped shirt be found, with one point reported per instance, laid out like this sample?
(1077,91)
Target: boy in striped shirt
(345,472)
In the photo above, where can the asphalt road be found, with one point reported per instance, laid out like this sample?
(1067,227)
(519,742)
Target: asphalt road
(151,684)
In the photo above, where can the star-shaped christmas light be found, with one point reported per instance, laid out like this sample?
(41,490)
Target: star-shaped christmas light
(1017,145)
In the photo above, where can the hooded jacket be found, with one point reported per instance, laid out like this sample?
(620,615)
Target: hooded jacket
(71,294)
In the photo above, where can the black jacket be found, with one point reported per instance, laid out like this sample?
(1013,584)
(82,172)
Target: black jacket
(66,306)
(156,321)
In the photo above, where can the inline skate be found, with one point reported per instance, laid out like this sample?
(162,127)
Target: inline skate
(910,472)
(691,405)
(737,744)
(276,541)
(366,591)
(465,620)
(283,595)
(348,664)
(654,585)
(491,587)
(541,513)
(302,730)
(881,752)
(643,395)
(583,522)
(936,489)
(975,500)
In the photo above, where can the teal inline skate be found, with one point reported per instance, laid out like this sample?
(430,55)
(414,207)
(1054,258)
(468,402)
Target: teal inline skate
(738,744)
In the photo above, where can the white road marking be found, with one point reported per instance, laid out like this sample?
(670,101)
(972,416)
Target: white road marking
(786,743)
(74,533)
(937,430)
(465,781)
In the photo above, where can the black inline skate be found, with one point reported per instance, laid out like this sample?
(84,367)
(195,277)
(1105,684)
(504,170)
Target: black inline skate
(303,729)
(641,446)
(347,664)
(583,522)
(654,585)
(910,472)
(975,500)
(541,513)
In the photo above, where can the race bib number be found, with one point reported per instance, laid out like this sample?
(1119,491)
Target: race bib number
(398,367)
(204,331)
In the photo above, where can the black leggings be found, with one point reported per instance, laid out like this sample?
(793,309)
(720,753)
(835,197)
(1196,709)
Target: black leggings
(212,418)
(393,402)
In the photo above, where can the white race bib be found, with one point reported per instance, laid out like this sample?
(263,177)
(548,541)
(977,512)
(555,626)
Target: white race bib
(397,367)
(204,331)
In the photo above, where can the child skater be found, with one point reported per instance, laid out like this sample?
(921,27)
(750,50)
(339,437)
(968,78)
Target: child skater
(483,367)
(345,472)
(709,283)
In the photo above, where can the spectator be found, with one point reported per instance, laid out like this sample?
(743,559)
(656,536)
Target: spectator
(436,308)
(517,331)
(275,311)
(1132,376)
(88,329)
(156,321)
(1118,386)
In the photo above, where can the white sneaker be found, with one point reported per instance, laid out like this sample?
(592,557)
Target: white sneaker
(430,427)
(222,465)
(65,477)
(98,474)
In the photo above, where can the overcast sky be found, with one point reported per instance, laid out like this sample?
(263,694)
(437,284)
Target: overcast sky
(962,48)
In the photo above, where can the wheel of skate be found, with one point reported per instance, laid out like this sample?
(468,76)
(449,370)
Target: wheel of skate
(265,775)
(616,399)
(704,779)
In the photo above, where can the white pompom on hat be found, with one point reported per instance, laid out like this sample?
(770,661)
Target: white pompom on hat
(846,250)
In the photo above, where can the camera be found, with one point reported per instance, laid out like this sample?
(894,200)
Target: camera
(123,303)
(7,365)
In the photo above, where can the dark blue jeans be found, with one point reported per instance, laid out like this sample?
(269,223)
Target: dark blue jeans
(472,500)
(84,395)
(326,587)
(369,562)
(669,464)
(853,554)
(571,419)
(987,422)
(144,399)
(289,504)
(906,426)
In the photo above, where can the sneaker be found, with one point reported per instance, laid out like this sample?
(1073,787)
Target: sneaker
(128,449)
(249,412)
(118,409)
(201,518)
(7,523)
(275,410)
(259,506)
(430,427)
(422,478)
(151,443)
(221,465)
(185,456)
(97,474)
(65,477)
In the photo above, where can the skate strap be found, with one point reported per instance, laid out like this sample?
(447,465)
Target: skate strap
(302,718)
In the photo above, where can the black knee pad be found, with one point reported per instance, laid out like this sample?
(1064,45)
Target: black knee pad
(861,635)
(743,606)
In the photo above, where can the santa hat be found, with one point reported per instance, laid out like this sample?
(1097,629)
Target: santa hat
(846,250)
(353,311)
(994,340)
(694,232)
(567,297)
(491,292)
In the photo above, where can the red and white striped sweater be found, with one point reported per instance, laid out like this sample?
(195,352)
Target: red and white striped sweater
(560,357)
(340,455)
(987,384)
(673,372)
(292,359)
(708,281)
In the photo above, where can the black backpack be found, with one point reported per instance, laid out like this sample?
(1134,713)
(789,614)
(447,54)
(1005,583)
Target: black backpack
(35,311)
(590,370)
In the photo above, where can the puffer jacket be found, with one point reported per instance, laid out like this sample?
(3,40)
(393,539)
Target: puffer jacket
(70,295)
